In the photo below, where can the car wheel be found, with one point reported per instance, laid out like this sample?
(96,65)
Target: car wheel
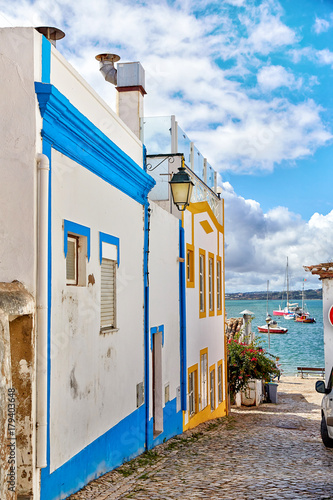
(328,442)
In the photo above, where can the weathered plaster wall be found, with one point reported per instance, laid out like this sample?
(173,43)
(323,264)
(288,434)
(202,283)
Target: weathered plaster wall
(93,376)
(17,394)
(23,377)
(5,384)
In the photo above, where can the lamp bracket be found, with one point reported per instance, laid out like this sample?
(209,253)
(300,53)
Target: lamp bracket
(171,159)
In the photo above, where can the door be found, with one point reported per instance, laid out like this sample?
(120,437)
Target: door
(157,384)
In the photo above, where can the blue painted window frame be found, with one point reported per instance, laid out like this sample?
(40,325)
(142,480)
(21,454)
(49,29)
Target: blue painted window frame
(153,330)
(112,240)
(79,229)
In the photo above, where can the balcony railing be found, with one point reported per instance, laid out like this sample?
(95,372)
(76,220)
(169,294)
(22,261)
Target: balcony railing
(163,135)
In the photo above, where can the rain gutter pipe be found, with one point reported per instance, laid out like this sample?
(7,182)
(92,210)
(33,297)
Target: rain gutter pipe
(42,309)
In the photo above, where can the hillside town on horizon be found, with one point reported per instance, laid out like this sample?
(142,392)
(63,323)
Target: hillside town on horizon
(275,295)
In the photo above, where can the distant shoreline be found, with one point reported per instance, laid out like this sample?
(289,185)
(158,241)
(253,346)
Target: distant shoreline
(293,296)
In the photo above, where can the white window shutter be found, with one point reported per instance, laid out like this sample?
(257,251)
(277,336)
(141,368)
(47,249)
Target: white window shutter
(108,293)
(71,261)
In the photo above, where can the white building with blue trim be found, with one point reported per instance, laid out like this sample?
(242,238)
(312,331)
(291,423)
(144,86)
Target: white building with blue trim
(99,331)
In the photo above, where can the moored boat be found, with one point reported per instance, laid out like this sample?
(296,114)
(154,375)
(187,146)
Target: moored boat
(290,309)
(305,318)
(273,328)
(289,316)
(280,312)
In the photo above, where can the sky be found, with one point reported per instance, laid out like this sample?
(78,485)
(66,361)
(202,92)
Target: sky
(251,84)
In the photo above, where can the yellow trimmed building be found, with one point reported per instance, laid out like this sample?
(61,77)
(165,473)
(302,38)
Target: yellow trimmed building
(206,349)
(203,358)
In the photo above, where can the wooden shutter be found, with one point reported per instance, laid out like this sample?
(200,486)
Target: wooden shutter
(218,284)
(219,382)
(212,390)
(204,386)
(108,293)
(72,260)
(201,283)
(191,394)
(210,280)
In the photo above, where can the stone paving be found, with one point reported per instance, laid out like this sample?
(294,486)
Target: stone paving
(271,452)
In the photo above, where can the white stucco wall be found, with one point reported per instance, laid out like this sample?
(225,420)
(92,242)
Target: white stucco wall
(328,328)
(164,292)
(18,170)
(93,376)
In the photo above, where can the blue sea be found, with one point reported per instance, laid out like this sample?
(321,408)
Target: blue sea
(303,345)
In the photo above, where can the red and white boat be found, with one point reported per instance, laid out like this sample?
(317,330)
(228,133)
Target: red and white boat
(273,328)
(281,312)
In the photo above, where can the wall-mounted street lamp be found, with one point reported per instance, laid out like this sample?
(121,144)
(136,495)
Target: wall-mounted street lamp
(181,188)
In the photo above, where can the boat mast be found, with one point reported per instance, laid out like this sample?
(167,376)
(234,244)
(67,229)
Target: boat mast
(303,298)
(287,286)
(267,298)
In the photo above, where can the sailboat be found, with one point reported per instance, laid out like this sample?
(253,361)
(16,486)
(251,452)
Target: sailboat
(271,325)
(291,310)
(305,316)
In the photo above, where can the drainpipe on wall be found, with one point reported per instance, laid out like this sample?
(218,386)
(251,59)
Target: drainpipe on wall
(182,317)
(42,309)
(146,320)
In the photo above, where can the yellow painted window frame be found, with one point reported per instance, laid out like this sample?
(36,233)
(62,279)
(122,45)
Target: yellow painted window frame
(190,265)
(190,370)
(202,253)
(202,353)
(212,369)
(219,309)
(220,364)
(211,292)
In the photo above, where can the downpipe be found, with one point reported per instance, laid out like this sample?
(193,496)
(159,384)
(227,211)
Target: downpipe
(42,309)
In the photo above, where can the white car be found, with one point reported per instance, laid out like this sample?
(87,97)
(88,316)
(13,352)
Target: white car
(326,411)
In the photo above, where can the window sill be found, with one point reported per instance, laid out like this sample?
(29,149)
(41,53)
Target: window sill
(107,329)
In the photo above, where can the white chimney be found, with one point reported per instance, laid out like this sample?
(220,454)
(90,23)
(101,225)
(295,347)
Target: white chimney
(131,90)
(129,79)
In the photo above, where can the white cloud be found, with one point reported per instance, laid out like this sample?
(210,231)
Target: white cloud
(324,56)
(270,34)
(273,77)
(257,244)
(266,32)
(265,134)
(321,25)
(236,3)
(178,50)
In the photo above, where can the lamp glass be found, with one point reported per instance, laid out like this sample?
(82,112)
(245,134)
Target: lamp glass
(182,190)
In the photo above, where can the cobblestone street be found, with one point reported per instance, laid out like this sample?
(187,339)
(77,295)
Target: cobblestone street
(270,452)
